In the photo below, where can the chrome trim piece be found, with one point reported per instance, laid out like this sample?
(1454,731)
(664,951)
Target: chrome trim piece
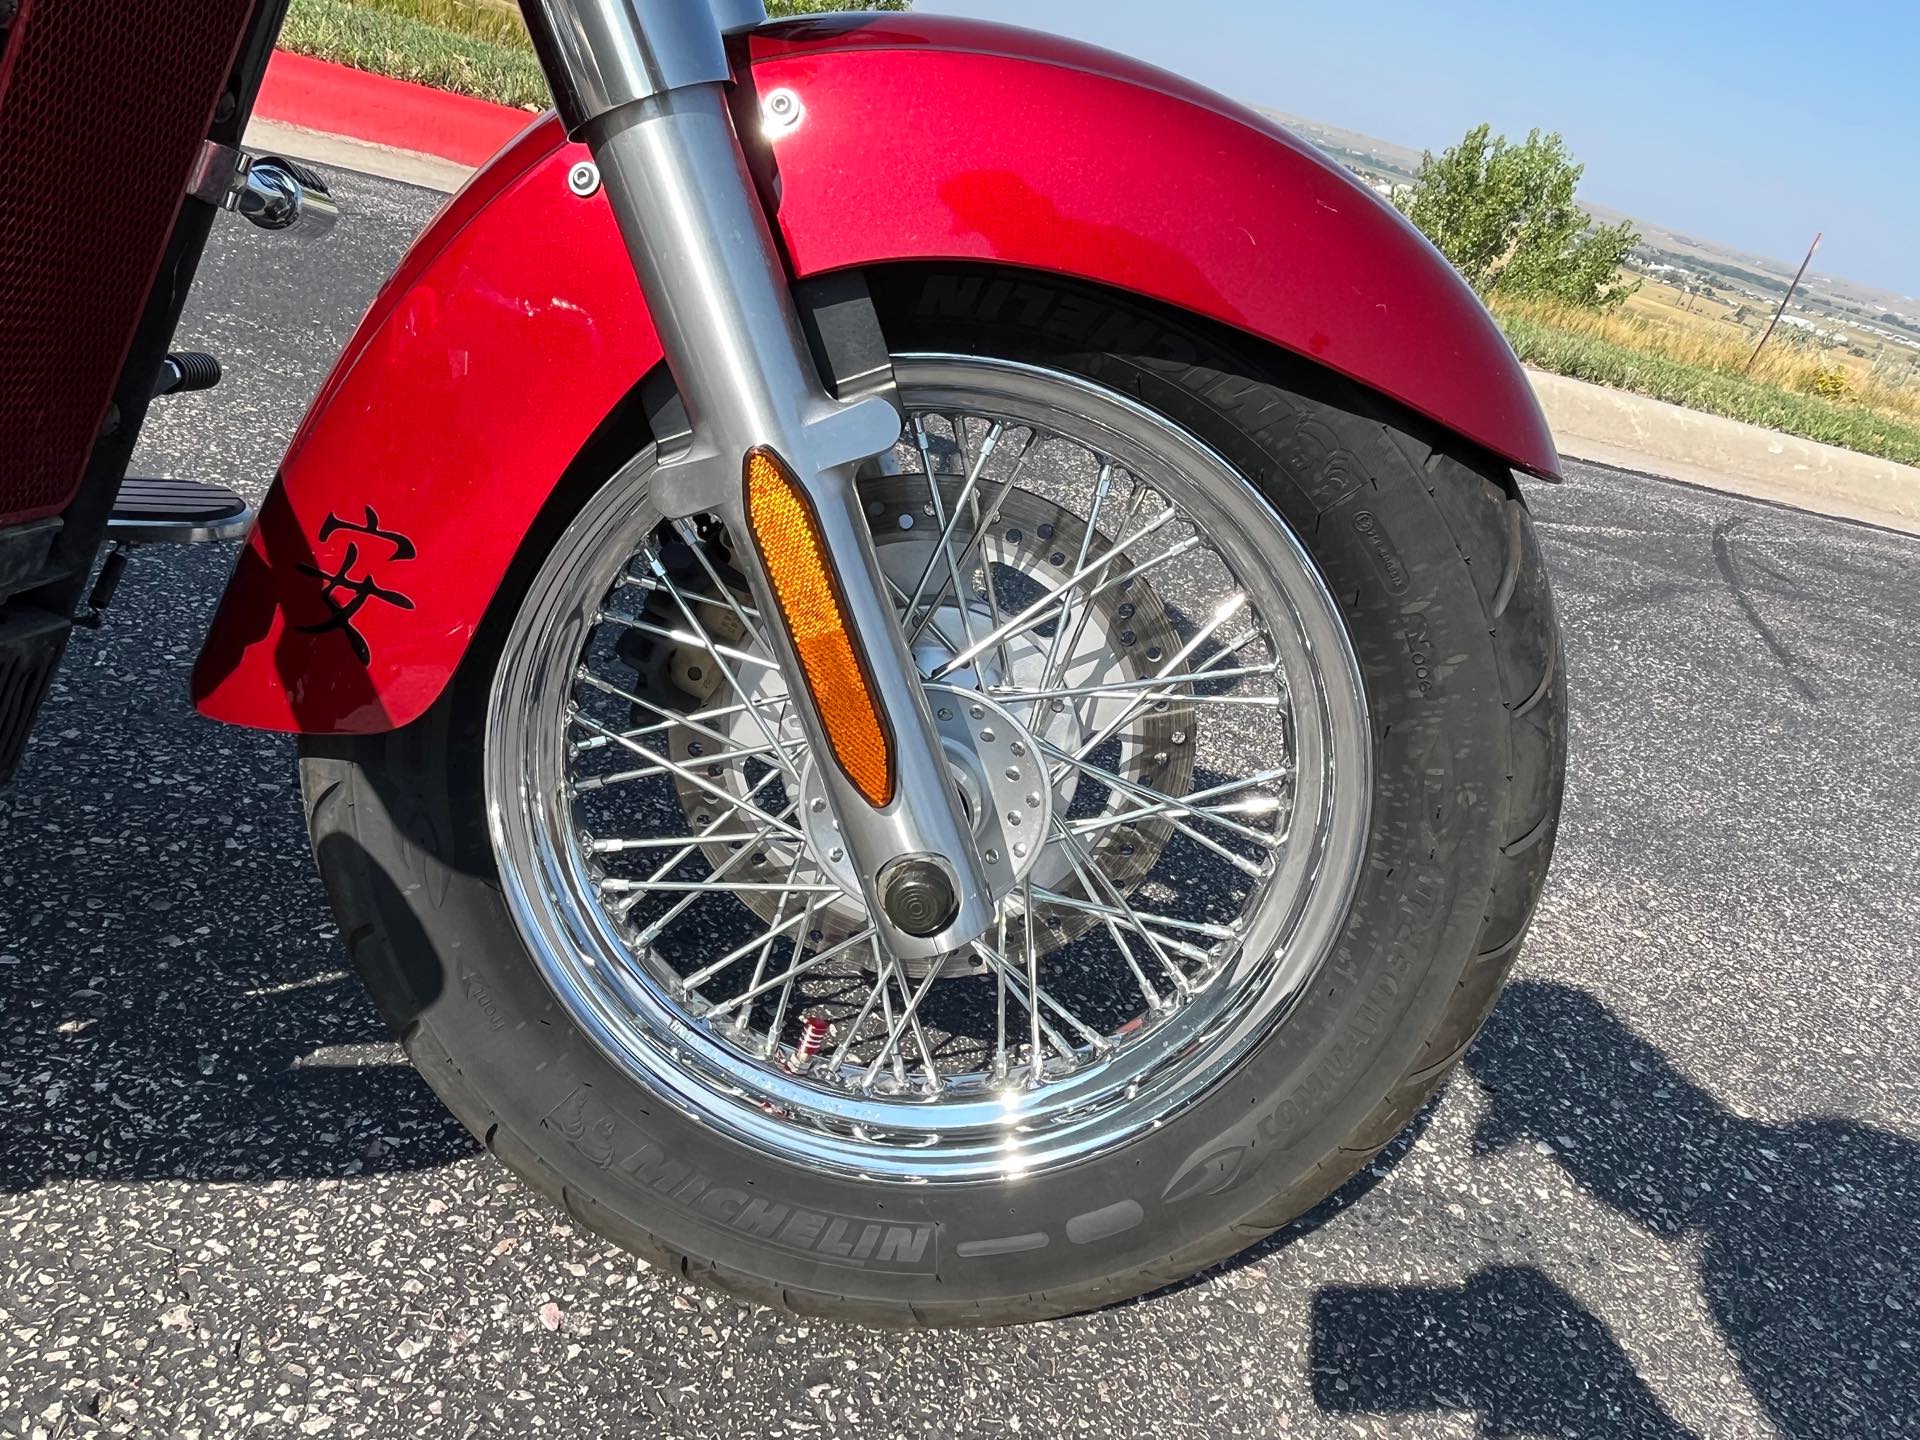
(277,194)
(180,532)
(272,192)
(213,174)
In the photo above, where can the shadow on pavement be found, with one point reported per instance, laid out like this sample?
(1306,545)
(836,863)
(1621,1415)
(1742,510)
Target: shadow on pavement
(1509,1343)
(1807,1233)
(244,1083)
(213,1036)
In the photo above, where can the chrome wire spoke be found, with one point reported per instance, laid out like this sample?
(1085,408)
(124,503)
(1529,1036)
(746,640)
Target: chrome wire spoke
(682,772)
(1152,802)
(1084,866)
(1042,1028)
(689,637)
(1036,614)
(942,545)
(726,671)
(1050,668)
(982,525)
(793,972)
(1199,637)
(1160,684)
(658,924)
(1155,803)
(1166,922)
(766,950)
(749,620)
(908,1021)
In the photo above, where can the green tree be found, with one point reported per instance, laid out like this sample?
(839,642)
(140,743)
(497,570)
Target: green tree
(1504,214)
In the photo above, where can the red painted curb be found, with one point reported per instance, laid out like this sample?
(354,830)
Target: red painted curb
(338,100)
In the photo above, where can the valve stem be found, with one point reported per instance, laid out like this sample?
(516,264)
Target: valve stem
(814,1031)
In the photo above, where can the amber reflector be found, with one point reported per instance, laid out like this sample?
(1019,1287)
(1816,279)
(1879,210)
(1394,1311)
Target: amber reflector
(788,538)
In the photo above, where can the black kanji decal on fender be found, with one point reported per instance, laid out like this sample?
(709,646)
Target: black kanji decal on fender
(359,589)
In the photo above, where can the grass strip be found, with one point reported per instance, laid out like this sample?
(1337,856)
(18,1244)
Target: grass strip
(386,42)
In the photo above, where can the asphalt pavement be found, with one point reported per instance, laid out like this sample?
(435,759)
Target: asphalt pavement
(1675,1190)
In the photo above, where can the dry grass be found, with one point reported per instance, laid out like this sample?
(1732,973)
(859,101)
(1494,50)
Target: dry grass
(1703,372)
(1699,347)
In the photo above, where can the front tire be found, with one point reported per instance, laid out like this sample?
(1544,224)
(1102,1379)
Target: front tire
(1427,558)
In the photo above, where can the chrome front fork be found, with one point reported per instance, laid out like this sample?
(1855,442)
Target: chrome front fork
(644,84)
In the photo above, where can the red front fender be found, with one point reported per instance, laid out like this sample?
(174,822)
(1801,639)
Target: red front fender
(515,326)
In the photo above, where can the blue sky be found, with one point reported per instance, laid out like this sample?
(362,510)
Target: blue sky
(1750,122)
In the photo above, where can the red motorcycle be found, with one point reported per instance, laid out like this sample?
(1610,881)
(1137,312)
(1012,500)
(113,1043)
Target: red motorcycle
(923,685)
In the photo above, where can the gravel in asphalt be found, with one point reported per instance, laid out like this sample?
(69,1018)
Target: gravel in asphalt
(1674,1191)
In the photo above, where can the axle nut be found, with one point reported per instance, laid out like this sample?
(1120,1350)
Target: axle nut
(919,896)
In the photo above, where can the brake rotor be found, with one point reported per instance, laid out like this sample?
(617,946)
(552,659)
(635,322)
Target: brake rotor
(1122,638)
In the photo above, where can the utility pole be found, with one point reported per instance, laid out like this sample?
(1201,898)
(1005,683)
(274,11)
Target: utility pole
(1767,334)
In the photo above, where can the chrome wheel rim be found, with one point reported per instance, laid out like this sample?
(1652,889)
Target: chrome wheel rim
(1186,682)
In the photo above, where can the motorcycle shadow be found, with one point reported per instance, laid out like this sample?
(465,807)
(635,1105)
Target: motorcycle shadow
(1805,1236)
(227,1043)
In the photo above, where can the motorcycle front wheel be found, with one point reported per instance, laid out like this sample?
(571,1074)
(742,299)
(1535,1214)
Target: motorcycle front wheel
(1258,679)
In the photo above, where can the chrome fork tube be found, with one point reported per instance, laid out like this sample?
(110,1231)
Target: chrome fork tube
(643,82)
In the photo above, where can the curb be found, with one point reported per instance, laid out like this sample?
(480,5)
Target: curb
(321,97)
(1634,432)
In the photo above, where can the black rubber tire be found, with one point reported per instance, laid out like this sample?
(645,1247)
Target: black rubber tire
(1429,550)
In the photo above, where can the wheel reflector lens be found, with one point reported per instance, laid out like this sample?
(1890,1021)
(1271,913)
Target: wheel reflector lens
(788,538)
